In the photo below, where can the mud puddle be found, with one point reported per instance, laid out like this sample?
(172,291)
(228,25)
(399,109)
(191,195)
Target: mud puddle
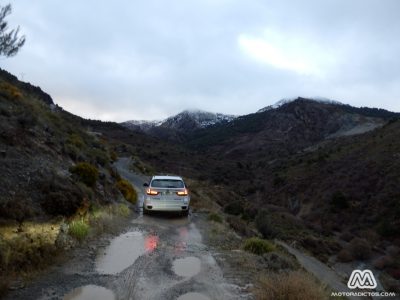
(193,296)
(90,292)
(123,251)
(186,267)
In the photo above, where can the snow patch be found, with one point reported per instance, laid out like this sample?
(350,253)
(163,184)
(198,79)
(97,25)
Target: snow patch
(288,100)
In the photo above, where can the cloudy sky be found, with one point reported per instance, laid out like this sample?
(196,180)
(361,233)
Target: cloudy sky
(131,59)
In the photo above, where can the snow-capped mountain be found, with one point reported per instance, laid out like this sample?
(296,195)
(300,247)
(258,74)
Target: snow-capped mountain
(143,125)
(185,121)
(195,119)
(288,100)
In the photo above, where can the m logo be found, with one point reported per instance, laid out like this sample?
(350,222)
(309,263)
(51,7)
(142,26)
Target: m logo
(362,280)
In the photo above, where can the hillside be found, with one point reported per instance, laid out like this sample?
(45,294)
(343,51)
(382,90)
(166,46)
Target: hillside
(40,144)
(293,126)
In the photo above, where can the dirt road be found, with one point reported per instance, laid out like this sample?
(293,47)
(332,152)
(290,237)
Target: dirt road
(155,257)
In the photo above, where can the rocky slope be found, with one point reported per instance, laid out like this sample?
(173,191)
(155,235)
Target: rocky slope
(39,145)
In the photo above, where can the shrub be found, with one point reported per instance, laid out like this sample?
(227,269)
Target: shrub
(72,151)
(86,173)
(278,180)
(346,236)
(62,196)
(10,91)
(78,229)
(123,210)
(383,262)
(64,203)
(234,208)
(4,283)
(249,213)
(345,256)
(295,285)
(360,248)
(238,225)
(339,201)
(99,156)
(265,226)
(76,140)
(27,120)
(388,227)
(258,246)
(127,190)
(215,217)
(113,156)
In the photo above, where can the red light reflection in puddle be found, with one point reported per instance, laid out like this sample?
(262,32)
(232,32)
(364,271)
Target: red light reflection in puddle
(151,242)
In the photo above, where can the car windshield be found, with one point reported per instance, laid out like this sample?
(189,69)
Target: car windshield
(167,183)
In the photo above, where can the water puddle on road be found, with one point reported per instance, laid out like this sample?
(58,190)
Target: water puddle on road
(123,251)
(193,296)
(186,267)
(90,292)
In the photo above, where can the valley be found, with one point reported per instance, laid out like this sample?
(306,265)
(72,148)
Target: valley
(316,175)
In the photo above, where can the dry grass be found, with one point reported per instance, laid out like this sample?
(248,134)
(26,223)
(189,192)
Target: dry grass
(27,248)
(258,246)
(296,285)
(127,190)
(215,217)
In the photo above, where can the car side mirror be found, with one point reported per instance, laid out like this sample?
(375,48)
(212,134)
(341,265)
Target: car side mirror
(145,184)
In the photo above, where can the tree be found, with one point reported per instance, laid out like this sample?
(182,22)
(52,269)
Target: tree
(10,42)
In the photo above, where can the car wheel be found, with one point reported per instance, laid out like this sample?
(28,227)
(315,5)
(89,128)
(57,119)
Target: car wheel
(185,213)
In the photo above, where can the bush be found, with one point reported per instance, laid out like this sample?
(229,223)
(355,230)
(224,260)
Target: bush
(345,256)
(86,173)
(360,248)
(4,286)
(78,229)
(72,151)
(339,201)
(234,208)
(258,246)
(61,203)
(123,210)
(296,285)
(62,196)
(278,180)
(265,226)
(215,217)
(389,227)
(99,156)
(10,91)
(249,213)
(76,140)
(27,120)
(238,225)
(113,156)
(127,190)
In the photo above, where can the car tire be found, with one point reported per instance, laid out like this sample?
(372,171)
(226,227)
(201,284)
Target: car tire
(185,213)
(145,211)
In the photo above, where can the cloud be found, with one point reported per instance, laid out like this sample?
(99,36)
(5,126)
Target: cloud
(288,53)
(150,59)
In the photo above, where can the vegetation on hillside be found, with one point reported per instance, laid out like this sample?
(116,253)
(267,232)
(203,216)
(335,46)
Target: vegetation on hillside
(299,186)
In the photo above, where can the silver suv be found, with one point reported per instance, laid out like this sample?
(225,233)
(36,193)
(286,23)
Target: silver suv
(166,193)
